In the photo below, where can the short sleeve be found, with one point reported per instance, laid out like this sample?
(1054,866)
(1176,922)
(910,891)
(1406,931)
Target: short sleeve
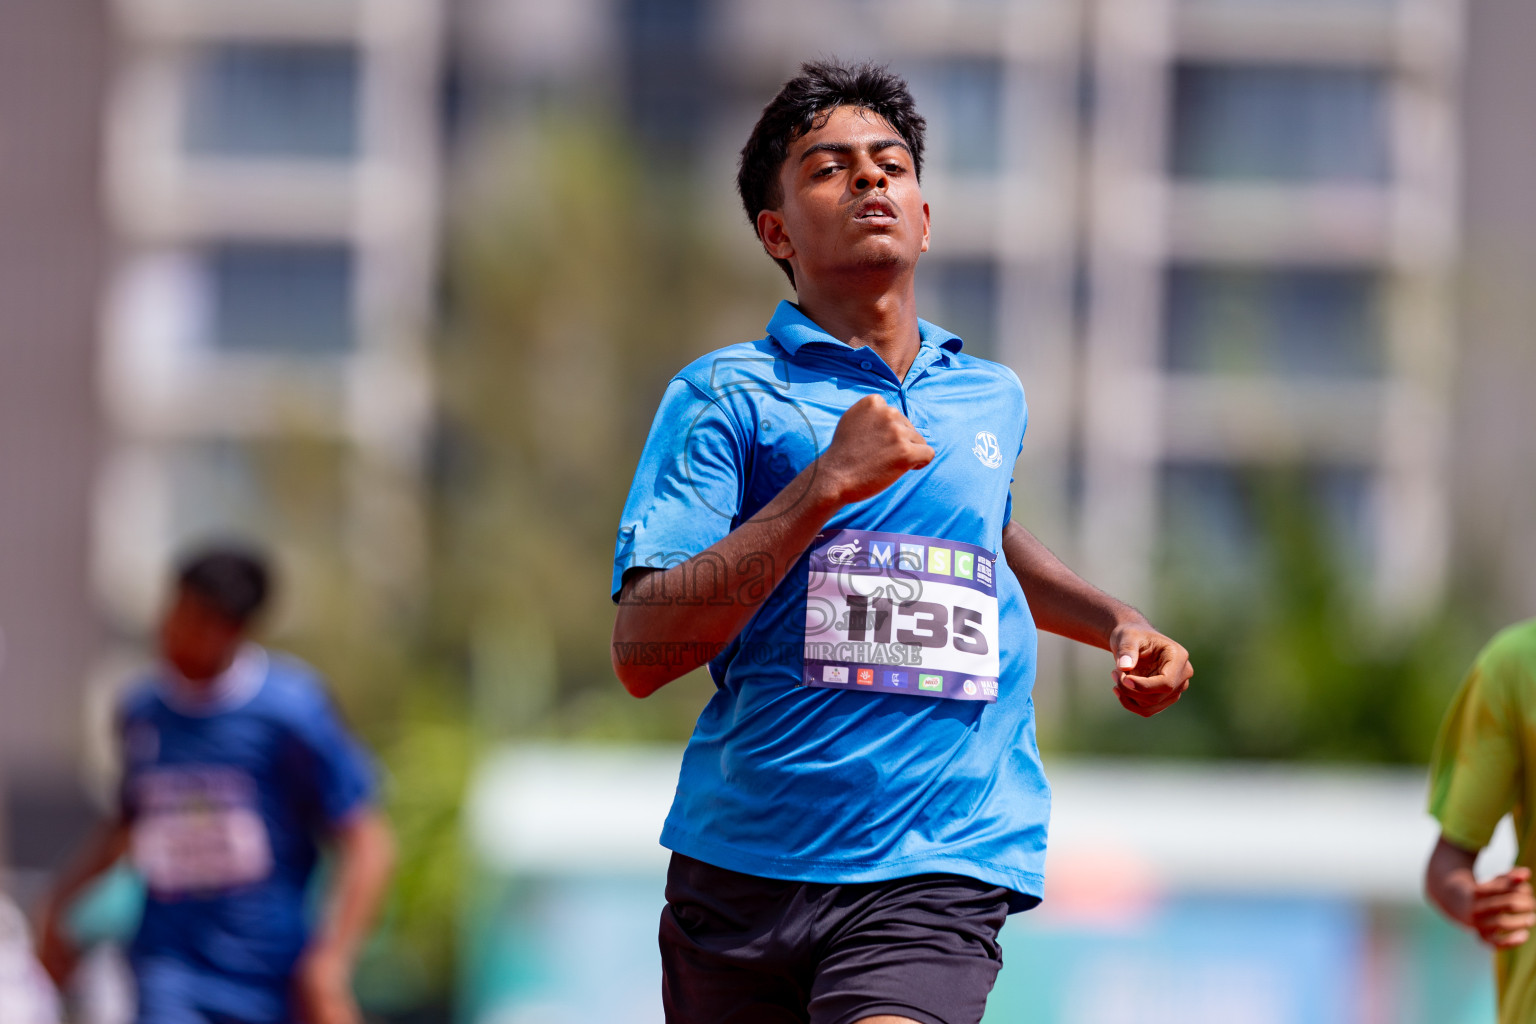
(1008,503)
(339,769)
(1475,768)
(1023,429)
(687,489)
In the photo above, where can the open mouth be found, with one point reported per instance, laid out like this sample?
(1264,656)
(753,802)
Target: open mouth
(876,209)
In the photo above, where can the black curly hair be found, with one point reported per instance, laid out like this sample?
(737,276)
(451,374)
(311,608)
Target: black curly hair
(803,105)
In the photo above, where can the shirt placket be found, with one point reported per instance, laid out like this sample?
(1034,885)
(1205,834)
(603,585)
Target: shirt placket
(913,410)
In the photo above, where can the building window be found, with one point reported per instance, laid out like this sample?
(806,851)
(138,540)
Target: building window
(668,95)
(1280,123)
(963,100)
(1226,527)
(282,297)
(961,295)
(1294,322)
(258,100)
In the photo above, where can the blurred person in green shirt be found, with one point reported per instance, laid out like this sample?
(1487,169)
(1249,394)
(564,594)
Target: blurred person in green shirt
(1483,767)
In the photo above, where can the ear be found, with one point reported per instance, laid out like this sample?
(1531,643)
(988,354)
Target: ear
(772,233)
(925,229)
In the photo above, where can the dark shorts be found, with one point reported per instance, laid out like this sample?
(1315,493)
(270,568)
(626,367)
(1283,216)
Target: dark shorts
(739,949)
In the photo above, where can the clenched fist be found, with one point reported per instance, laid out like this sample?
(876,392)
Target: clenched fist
(873,446)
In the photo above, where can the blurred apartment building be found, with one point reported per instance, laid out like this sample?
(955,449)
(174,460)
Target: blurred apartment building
(1220,241)
(1234,248)
(241,200)
(1216,238)
(271,177)
(1212,237)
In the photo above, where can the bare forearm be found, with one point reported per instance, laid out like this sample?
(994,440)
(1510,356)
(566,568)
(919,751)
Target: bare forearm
(55,949)
(1061,601)
(365,858)
(104,849)
(1449,881)
(693,610)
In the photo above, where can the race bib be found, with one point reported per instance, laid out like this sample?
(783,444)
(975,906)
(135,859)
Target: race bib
(199,830)
(891,613)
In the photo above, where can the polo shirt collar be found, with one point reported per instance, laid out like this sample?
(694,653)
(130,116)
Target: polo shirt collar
(793,329)
(233,688)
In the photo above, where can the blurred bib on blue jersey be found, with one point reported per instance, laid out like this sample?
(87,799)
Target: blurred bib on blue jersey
(199,830)
(894,613)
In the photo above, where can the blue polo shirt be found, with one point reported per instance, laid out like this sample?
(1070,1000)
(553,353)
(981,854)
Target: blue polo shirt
(822,762)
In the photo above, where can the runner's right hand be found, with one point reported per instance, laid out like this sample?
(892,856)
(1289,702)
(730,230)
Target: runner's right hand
(1504,909)
(873,446)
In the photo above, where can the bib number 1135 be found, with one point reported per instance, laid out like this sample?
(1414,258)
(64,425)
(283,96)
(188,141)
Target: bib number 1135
(901,614)
(921,624)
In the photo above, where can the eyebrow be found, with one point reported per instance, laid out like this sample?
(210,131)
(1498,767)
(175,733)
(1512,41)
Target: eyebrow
(848,147)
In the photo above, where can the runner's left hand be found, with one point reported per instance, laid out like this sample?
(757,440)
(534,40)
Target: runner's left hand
(1151,671)
(324,983)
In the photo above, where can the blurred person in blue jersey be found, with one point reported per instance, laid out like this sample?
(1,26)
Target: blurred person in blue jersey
(237,773)
(824,517)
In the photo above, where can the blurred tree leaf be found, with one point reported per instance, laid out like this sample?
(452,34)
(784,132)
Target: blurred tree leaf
(1291,662)
(577,286)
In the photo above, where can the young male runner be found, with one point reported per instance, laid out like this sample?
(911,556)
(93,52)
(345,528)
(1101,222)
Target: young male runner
(1483,767)
(819,515)
(236,771)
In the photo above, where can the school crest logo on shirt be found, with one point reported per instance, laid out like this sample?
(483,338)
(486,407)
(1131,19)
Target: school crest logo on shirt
(987,449)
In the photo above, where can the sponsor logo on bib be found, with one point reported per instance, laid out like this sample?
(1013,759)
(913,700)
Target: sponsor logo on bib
(843,554)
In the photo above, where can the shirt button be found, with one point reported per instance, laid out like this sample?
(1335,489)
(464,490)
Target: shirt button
(866,363)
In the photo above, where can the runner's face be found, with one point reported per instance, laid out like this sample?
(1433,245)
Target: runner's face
(196,640)
(851,200)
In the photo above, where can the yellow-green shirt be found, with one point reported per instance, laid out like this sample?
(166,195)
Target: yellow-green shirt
(1483,767)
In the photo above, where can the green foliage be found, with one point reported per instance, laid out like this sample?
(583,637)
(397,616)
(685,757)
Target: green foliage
(1292,661)
(577,286)
(411,962)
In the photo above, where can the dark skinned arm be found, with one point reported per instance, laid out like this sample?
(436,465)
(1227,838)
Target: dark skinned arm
(873,446)
(55,951)
(364,850)
(1151,671)
(1501,910)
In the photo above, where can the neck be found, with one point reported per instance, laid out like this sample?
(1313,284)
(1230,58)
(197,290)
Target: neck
(202,684)
(884,319)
